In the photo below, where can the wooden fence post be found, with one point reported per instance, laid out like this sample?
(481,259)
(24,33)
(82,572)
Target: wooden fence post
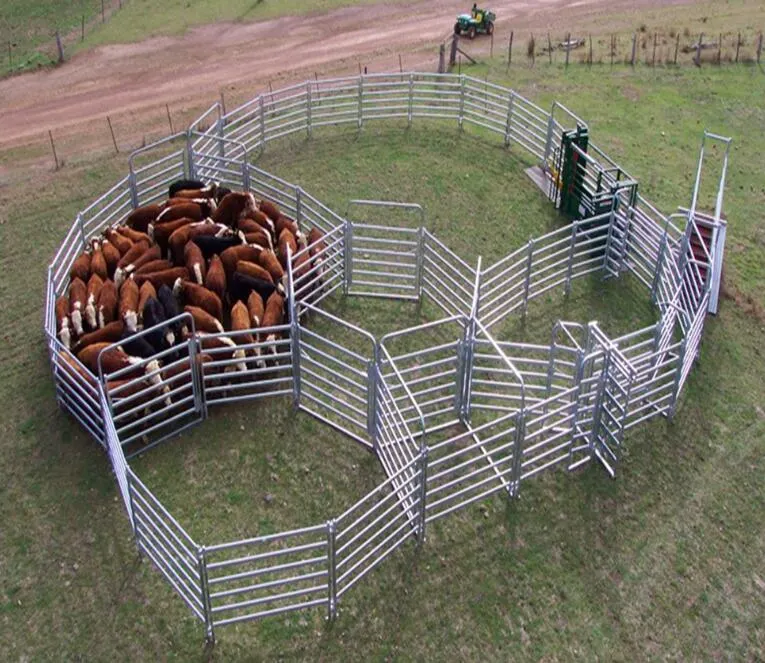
(719,51)
(59,47)
(400,64)
(509,50)
(10,56)
(169,119)
(738,46)
(111,131)
(549,48)
(653,56)
(53,147)
(759,48)
(103,12)
(634,49)
(82,28)
(491,47)
(453,51)
(677,46)
(613,48)
(441,58)
(697,60)
(568,47)
(590,57)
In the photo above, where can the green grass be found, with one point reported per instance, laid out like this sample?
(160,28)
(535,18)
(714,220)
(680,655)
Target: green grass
(664,562)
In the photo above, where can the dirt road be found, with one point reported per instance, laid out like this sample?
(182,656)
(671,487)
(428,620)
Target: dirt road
(135,77)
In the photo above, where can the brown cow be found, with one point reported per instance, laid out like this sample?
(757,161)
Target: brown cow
(98,261)
(130,296)
(233,207)
(153,266)
(187,209)
(114,360)
(133,235)
(78,295)
(107,303)
(254,270)
(240,322)
(81,267)
(62,321)
(95,283)
(166,277)
(197,295)
(121,243)
(140,218)
(215,280)
(203,321)
(145,292)
(269,209)
(272,317)
(111,255)
(234,254)
(195,262)
(110,333)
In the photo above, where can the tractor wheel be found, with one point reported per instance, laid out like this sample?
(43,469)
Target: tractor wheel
(490,28)
(471,32)
(456,28)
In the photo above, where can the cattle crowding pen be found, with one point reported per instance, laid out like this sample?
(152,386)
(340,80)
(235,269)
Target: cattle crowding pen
(451,422)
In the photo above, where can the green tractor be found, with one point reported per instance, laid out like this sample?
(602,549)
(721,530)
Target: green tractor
(478,21)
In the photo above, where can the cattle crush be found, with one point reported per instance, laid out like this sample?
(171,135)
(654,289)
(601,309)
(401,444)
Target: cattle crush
(451,422)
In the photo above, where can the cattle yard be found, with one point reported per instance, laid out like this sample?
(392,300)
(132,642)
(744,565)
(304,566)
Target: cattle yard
(455,408)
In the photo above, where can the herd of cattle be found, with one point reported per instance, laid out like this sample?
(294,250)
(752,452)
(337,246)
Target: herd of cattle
(219,256)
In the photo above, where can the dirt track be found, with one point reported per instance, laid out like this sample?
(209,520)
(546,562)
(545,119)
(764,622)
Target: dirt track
(135,77)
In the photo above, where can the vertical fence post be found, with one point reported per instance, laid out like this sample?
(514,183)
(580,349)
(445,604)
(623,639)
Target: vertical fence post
(442,59)
(81,225)
(570,266)
(245,172)
(262,115)
(299,207)
(510,50)
(133,186)
(294,336)
(548,140)
(419,257)
(509,120)
(411,101)
(697,59)
(372,397)
(520,434)
(527,283)
(759,48)
(578,378)
(677,47)
(135,517)
(461,118)
(197,385)
(568,47)
(422,471)
(598,405)
(308,97)
(678,375)
(190,167)
(348,256)
(205,594)
(738,47)
(361,101)
(331,569)
(551,366)
(659,267)
(610,234)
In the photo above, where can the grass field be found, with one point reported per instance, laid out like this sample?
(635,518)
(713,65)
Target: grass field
(664,562)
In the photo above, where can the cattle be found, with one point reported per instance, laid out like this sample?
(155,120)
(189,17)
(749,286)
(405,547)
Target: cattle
(133,235)
(198,295)
(137,346)
(166,277)
(140,218)
(145,292)
(121,243)
(287,247)
(81,267)
(153,266)
(233,207)
(154,316)
(254,270)
(95,283)
(285,223)
(270,262)
(161,232)
(78,294)
(180,185)
(236,253)
(273,316)
(184,234)
(269,209)
(241,285)
(240,322)
(130,296)
(170,305)
(301,268)
(98,262)
(114,360)
(216,244)
(150,255)
(63,328)
(203,321)
(259,218)
(107,303)
(111,255)
(255,310)
(195,262)
(215,280)
(110,333)
(135,252)
(259,238)
(186,209)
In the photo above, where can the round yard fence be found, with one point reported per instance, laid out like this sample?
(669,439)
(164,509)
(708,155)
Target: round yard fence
(453,413)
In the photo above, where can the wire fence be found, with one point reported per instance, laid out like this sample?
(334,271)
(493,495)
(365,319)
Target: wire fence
(453,414)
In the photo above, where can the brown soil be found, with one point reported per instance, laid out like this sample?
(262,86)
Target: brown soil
(192,69)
